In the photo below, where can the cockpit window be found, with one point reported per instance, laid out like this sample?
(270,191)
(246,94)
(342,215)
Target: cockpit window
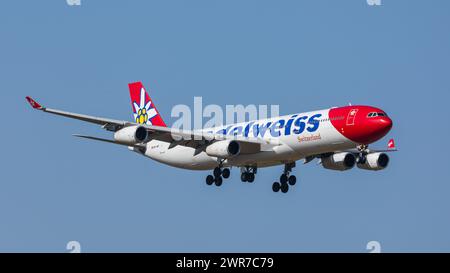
(375,114)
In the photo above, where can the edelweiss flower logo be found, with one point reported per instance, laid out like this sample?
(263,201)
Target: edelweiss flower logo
(143,112)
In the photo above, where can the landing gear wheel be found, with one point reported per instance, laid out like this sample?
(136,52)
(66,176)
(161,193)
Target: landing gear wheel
(218,181)
(286,179)
(244,177)
(226,173)
(250,177)
(209,180)
(292,180)
(276,187)
(217,172)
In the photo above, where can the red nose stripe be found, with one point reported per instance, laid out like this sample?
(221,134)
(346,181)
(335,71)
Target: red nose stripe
(353,123)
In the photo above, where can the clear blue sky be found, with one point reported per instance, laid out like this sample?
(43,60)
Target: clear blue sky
(302,55)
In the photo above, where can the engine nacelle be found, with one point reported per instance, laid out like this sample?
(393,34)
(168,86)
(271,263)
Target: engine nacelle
(224,149)
(339,161)
(374,162)
(131,135)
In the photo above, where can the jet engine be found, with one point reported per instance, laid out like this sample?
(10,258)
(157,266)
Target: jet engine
(339,161)
(374,162)
(131,135)
(224,149)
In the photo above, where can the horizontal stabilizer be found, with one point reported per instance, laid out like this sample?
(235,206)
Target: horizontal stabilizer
(108,140)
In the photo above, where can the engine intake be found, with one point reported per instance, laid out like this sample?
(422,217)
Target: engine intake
(339,161)
(374,162)
(131,135)
(224,149)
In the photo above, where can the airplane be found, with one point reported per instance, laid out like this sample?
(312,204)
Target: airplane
(338,137)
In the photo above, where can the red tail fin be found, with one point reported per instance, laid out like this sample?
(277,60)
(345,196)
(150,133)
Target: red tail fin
(144,109)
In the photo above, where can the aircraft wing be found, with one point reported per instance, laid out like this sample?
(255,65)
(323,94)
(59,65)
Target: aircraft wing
(106,123)
(174,136)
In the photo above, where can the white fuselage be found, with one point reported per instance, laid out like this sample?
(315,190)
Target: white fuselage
(298,136)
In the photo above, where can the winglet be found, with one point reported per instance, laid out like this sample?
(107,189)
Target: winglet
(391,144)
(34,104)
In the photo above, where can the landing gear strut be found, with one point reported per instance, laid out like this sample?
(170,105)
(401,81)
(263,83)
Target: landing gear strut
(219,174)
(363,151)
(285,179)
(248,174)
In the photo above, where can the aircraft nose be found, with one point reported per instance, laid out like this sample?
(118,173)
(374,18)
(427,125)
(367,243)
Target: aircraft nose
(380,126)
(374,129)
(384,124)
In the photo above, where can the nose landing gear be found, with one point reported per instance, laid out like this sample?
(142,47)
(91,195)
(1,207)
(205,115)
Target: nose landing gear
(286,179)
(363,151)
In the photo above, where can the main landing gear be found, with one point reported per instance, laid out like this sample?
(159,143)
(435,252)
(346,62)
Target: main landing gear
(248,174)
(285,180)
(218,175)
